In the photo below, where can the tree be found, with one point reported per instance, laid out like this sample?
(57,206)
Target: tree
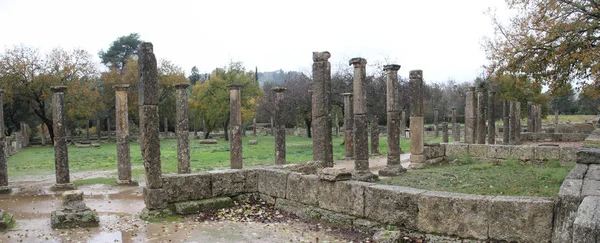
(563,99)
(120,51)
(588,104)
(522,89)
(195,76)
(551,42)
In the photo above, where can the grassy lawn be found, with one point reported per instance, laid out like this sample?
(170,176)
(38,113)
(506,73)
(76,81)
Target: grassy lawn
(505,178)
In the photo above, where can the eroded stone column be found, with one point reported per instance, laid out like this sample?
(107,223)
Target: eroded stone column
(149,125)
(123,151)
(348,126)
(182,128)
(470,133)
(539,118)
(492,117)
(445,132)
(235,114)
(455,126)
(279,127)
(505,122)
(321,109)
(375,136)
(436,132)
(480,116)
(361,136)
(61,153)
(4,187)
(417,157)
(393,167)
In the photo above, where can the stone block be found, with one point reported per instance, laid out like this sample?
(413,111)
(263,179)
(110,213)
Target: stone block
(571,188)
(72,196)
(393,205)
(251,180)
(546,153)
(588,156)
(586,227)
(335,219)
(192,207)
(433,151)
(334,174)
(344,197)
(155,198)
(208,141)
(77,219)
(568,154)
(590,188)
(565,210)
(523,153)
(272,182)
(593,172)
(301,210)
(520,219)
(387,236)
(578,172)
(366,226)
(499,151)
(454,214)
(253,142)
(228,182)
(184,187)
(457,150)
(478,150)
(303,188)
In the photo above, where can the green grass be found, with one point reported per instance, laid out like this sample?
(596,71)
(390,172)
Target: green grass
(505,178)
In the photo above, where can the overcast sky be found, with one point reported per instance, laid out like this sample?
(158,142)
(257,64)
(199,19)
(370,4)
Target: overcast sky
(441,37)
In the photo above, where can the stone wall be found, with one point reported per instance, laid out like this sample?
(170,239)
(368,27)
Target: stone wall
(367,206)
(553,137)
(520,152)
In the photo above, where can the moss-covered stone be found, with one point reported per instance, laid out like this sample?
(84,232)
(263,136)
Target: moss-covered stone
(159,215)
(76,219)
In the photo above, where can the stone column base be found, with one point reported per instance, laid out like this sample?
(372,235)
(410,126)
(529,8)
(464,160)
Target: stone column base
(392,170)
(5,189)
(417,161)
(154,198)
(366,176)
(127,183)
(62,187)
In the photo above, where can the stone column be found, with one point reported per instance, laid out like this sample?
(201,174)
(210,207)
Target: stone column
(61,153)
(279,127)
(235,114)
(505,122)
(539,118)
(480,116)
(470,133)
(254,126)
(348,126)
(492,117)
(435,123)
(393,167)
(149,125)
(512,123)
(375,136)
(445,132)
(4,187)
(556,121)
(182,128)
(361,140)
(43,128)
(417,158)
(530,120)
(321,109)
(123,151)
(455,126)
(403,124)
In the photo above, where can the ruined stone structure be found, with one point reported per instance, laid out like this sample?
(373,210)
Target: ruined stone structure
(361,137)
(470,132)
(235,114)
(480,116)
(375,136)
(445,132)
(182,128)
(455,126)
(393,167)
(123,151)
(505,122)
(348,125)
(73,213)
(61,154)
(321,109)
(514,123)
(417,157)
(279,127)
(4,187)
(492,117)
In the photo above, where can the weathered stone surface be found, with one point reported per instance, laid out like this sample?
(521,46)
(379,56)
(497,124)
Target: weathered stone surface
(331,174)
(593,172)
(444,132)
(523,153)
(454,214)
(499,151)
(520,219)
(301,210)
(387,236)
(335,219)
(565,210)
(392,170)
(148,75)
(268,199)
(279,126)
(480,116)
(61,154)
(235,114)
(478,150)
(366,226)
(470,116)
(208,141)
(586,227)
(546,153)
(182,128)
(344,197)
(303,188)
(416,137)
(392,205)
(183,187)
(590,188)
(228,182)
(72,196)
(273,182)
(348,125)
(150,145)
(491,118)
(455,126)
(122,125)
(457,150)
(393,115)
(578,172)
(192,207)
(505,122)
(73,212)
(588,156)
(155,198)
(253,142)
(321,109)
(361,143)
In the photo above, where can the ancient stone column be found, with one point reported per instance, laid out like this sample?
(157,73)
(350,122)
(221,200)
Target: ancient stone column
(61,154)
(492,117)
(393,167)
(254,126)
(480,116)
(182,128)
(539,118)
(4,187)
(361,139)
(375,136)
(455,126)
(321,109)
(470,135)
(123,151)
(235,114)
(505,122)
(445,132)
(279,127)
(149,123)
(417,158)
(556,121)
(530,120)
(435,123)
(403,124)
(348,126)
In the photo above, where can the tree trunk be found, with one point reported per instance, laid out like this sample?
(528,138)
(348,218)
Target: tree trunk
(308,123)
(50,129)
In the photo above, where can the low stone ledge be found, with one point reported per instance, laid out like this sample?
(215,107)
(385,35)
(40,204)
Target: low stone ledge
(593,172)
(155,198)
(565,210)
(273,182)
(334,174)
(547,153)
(478,150)
(568,154)
(578,172)
(366,226)
(344,197)
(499,151)
(193,207)
(521,219)
(590,188)
(586,227)
(185,187)
(303,189)
(523,153)
(208,141)
(588,156)
(393,205)
(233,182)
(457,150)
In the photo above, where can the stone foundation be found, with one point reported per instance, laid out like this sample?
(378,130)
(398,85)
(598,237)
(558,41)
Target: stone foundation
(520,152)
